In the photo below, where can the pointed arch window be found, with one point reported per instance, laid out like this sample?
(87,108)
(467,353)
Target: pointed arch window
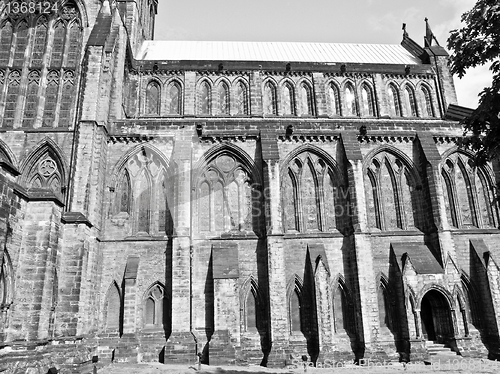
(6,42)
(447,174)
(223,98)
(251,309)
(383,307)
(287,101)
(39,41)
(67,99)
(486,200)
(46,173)
(112,308)
(143,203)
(342,311)
(411,104)
(174,98)
(312,198)
(204,97)
(22,35)
(394,103)
(13,90)
(306,100)
(350,100)
(6,288)
(269,99)
(32,94)
(295,312)
(153,307)
(241,99)
(367,100)
(123,193)
(51,95)
(333,100)
(56,58)
(153,99)
(426,102)
(74,45)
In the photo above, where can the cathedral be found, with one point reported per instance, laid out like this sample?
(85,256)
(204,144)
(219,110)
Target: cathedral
(234,202)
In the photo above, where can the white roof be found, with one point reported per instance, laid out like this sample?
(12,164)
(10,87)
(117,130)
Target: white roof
(276,52)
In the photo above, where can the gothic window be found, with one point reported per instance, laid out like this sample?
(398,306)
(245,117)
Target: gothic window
(251,310)
(6,289)
(204,97)
(350,100)
(269,99)
(306,100)
(393,197)
(383,307)
(75,35)
(51,95)
(123,193)
(14,83)
(295,312)
(394,103)
(141,191)
(2,82)
(241,101)
(223,98)
(469,200)
(312,198)
(426,102)
(22,35)
(367,100)
(5,42)
(58,45)
(333,100)
(112,308)
(67,99)
(39,42)
(287,100)
(410,103)
(341,311)
(225,196)
(153,307)
(153,99)
(174,98)
(46,173)
(31,105)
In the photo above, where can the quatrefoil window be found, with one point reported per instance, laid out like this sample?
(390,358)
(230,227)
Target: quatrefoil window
(47,167)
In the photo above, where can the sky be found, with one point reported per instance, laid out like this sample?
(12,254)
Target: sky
(330,21)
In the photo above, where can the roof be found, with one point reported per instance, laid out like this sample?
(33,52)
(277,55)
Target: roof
(458,113)
(420,256)
(276,52)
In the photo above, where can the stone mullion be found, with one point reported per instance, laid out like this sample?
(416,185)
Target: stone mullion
(299,207)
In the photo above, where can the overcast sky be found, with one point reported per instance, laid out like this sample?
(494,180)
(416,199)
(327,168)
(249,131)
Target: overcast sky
(348,21)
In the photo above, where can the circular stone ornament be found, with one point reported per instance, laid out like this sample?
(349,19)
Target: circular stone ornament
(47,167)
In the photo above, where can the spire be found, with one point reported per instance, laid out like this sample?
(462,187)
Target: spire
(429,36)
(405,33)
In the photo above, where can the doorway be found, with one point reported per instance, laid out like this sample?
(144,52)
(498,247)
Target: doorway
(435,314)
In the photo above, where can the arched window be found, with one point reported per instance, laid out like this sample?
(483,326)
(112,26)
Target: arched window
(143,188)
(367,100)
(14,84)
(153,99)
(269,99)
(350,100)
(22,35)
(226,196)
(485,197)
(174,98)
(204,98)
(411,104)
(312,198)
(287,100)
(75,35)
(153,307)
(58,45)
(32,95)
(306,100)
(5,42)
(51,94)
(426,102)
(46,172)
(6,289)
(67,99)
(447,175)
(251,311)
(123,193)
(295,312)
(241,101)
(333,100)
(384,308)
(112,308)
(394,103)
(223,98)
(39,42)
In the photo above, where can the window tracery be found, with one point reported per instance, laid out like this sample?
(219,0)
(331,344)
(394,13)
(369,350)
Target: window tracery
(174,98)
(226,196)
(241,101)
(51,96)
(153,307)
(287,101)
(31,105)
(22,34)
(410,102)
(39,42)
(13,90)
(426,102)
(46,173)
(56,57)
(313,198)
(394,102)
(367,100)
(204,98)
(153,98)
(223,98)
(350,100)
(468,193)
(306,100)
(5,40)
(67,98)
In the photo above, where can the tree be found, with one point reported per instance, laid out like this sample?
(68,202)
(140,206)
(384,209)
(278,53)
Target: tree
(478,43)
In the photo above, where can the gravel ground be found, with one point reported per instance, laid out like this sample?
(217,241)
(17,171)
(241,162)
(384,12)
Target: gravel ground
(439,364)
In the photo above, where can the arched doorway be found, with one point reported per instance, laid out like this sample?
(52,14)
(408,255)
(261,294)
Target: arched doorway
(437,324)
